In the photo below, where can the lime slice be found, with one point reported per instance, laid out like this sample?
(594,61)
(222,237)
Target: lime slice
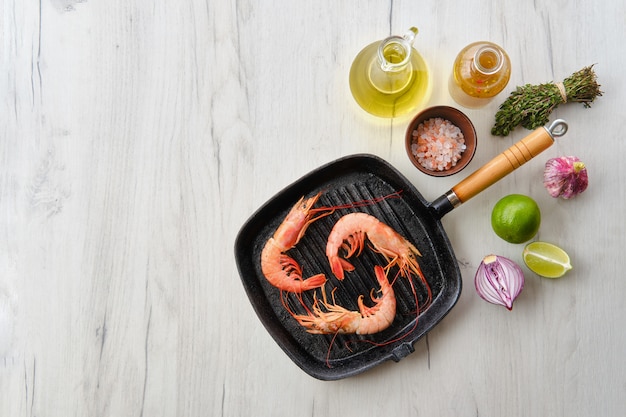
(546,259)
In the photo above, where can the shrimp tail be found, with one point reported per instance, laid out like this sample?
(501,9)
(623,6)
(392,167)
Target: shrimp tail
(296,283)
(315,281)
(339,265)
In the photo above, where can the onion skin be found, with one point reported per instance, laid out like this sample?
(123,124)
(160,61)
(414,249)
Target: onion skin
(565,177)
(499,280)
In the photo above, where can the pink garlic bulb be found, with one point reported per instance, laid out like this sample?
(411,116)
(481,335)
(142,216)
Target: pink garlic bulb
(565,177)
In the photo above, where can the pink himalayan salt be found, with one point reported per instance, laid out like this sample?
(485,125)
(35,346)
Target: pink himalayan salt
(437,144)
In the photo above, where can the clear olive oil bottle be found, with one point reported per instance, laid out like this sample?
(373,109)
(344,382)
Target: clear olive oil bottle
(389,78)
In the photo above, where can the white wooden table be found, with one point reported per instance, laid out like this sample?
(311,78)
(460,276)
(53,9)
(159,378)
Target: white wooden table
(137,137)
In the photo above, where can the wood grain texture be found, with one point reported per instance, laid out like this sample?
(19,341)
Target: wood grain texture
(137,137)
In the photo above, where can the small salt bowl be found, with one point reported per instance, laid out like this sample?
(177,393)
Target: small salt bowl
(436,148)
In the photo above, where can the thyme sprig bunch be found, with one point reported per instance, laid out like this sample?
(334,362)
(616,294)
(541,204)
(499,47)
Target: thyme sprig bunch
(531,105)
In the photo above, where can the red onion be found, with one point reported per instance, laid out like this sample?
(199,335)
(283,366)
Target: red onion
(499,280)
(565,177)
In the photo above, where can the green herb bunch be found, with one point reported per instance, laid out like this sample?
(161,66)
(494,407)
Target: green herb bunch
(531,105)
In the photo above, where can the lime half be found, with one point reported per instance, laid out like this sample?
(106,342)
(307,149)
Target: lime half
(546,259)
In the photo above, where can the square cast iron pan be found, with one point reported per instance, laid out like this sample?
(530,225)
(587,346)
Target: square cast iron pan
(347,180)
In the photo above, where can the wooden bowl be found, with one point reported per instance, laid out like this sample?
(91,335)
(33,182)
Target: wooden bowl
(457,118)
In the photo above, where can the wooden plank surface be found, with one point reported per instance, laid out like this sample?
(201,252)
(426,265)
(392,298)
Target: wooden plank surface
(138,137)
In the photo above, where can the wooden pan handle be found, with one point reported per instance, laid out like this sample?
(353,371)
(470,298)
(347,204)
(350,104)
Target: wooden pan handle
(505,163)
(517,155)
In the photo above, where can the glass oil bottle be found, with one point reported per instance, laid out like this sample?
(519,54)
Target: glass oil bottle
(389,78)
(481,70)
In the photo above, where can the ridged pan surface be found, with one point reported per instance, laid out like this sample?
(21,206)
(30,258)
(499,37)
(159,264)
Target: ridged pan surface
(345,181)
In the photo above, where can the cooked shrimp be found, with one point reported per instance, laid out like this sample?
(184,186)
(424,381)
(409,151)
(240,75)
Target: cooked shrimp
(281,270)
(349,234)
(334,319)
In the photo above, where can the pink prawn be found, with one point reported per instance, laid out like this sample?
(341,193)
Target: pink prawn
(349,234)
(281,270)
(330,318)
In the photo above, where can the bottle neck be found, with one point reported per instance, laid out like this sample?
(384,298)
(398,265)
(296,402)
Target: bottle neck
(394,54)
(488,60)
